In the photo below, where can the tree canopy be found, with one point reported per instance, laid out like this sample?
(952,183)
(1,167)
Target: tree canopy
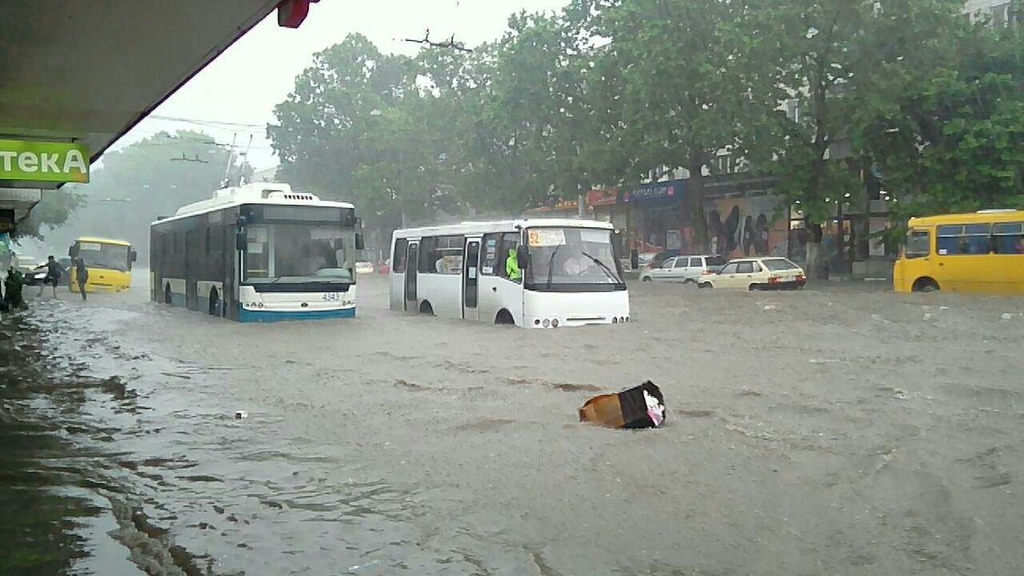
(815,93)
(149,179)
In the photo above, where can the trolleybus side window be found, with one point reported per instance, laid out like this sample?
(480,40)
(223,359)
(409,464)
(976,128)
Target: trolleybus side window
(257,253)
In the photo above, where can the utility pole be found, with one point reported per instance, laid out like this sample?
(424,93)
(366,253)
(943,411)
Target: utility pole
(245,159)
(231,153)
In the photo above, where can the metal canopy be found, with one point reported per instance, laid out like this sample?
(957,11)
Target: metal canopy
(87,71)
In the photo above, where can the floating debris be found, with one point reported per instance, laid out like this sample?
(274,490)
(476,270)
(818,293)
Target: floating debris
(642,406)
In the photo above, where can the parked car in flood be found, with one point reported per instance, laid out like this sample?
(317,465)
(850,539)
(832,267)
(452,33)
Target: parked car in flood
(766,273)
(684,269)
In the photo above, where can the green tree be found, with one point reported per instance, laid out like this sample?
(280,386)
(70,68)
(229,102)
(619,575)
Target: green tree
(147,180)
(331,127)
(947,130)
(690,89)
(836,57)
(506,116)
(52,212)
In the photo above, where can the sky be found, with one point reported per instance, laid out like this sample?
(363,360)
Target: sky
(234,97)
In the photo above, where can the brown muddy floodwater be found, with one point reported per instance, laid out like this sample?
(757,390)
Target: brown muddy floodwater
(843,429)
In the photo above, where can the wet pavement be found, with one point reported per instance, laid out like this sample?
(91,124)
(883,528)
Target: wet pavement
(841,429)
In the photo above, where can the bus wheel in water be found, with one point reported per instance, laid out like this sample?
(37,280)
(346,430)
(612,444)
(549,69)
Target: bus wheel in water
(925,285)
(504,317)
(214,302)
(426,308)
(167,293)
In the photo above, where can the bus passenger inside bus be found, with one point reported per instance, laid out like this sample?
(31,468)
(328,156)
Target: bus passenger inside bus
(569,256)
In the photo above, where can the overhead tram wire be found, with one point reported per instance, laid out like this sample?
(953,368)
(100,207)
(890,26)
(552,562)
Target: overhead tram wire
(209,123)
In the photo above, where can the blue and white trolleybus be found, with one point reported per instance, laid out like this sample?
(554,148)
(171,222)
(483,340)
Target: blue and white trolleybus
(258,253)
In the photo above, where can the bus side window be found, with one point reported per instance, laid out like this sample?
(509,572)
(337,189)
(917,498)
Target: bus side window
(1008,238)
(509,240)
(918,244)
(398,258)
(491,252)
(969,239)
(428,255)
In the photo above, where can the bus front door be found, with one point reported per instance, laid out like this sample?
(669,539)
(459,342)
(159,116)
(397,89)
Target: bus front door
(470,280)
(411,263)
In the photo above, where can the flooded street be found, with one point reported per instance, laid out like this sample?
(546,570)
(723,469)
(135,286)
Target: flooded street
(843,429)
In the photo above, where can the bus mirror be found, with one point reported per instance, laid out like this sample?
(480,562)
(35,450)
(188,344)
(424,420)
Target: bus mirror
(359,242)
(133,256)
(241,240)
(72,251)
(523,259)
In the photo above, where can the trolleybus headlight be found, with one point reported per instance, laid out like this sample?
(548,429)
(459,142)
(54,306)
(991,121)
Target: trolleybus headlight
(547,322)
(554,323)
(615,320)
(536,322)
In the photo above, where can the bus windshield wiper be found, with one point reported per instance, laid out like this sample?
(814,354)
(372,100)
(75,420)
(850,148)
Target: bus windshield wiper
(604,267)
(551,264)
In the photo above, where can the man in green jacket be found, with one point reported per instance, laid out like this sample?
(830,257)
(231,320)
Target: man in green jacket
(512,266)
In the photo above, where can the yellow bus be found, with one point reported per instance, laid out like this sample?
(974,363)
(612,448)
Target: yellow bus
(109,263)
(981,252)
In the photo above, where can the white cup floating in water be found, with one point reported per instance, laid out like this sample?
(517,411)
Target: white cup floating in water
(239,414)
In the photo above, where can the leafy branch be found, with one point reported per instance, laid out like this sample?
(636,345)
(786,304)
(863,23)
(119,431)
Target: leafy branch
(449,43)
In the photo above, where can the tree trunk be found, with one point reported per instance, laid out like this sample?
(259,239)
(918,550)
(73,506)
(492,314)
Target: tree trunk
(817,262)
(695,190)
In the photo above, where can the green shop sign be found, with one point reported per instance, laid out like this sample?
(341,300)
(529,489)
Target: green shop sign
(43,161)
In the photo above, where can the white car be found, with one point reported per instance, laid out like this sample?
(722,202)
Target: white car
(757,274)
(363,267)
(684,269)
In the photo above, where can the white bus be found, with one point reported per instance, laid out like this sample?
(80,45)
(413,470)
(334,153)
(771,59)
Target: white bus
(570,272)
(258,253)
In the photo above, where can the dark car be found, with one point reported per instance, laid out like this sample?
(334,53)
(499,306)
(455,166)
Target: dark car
(659,259)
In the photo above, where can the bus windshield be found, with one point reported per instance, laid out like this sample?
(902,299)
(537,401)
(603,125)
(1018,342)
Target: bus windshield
(104,256)
(299,252)
(572,259)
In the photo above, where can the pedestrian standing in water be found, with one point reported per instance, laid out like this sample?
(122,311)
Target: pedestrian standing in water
(52,278)
(81,275)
